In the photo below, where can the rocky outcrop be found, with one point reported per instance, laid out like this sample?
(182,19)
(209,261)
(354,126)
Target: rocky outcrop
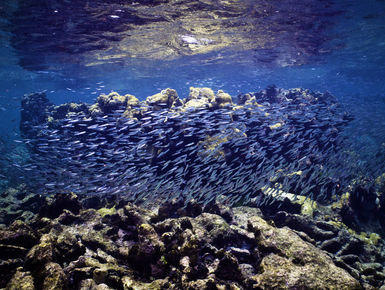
(135,248)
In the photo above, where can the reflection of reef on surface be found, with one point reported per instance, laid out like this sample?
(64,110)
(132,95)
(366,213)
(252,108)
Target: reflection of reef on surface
(203,147)
(270,31)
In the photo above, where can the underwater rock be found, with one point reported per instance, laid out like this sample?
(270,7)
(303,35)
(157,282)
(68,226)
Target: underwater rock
(69,248)
(282,273)
(54,208)
(242,214)
(306,225)
(170,209)
(8,267)
(201,93)
(66,110)
(180,160)
(175,208)
(95,240)
(332,245)
(19,234)
(199,98)
(93,202)
(148,249)
(53,277)
(17,204)
(222,99)
(41,254)
(21,281)
(167,98)
(362,207)
(228,268)
(125,245)
(291,262)
(219,209)
(129,283)
(87,284)
(347,248)
(67,218)
(113,101)
(217,229)
(135,216)
(110,102)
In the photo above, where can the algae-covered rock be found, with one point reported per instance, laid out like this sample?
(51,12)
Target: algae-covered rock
(244,99)
(201,93)
(54,277)
(106,211)
(170,209)
(133,248)
(21,281)
(8,268)
(55,207)
(129,283)
(40,254)
(18,234)
(380,191)
(199,98)
(134,216)
(167,98)
(319,231)
(292,263)
(214,228)
(62,111)
(99,275)
(87,284)
(69,247)
(242,214)
(228,268)
(113,101)
(67,218)
(95,110)
(222,99)
(98,239)
(148,249)
(219,209)
(197,103)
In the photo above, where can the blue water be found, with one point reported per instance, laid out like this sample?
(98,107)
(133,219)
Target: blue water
(350,65)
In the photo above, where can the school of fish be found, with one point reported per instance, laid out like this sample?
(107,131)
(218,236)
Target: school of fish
(166,148)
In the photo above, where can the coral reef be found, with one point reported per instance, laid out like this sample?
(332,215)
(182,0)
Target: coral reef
(142,193)
(217,247)
(191,147)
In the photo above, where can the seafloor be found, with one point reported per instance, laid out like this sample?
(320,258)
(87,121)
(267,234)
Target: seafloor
(65,242)
(271,239)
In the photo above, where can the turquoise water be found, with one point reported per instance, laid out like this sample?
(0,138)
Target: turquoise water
(345,55)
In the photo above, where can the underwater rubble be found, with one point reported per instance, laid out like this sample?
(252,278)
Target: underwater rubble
(78,243)
(203,147)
